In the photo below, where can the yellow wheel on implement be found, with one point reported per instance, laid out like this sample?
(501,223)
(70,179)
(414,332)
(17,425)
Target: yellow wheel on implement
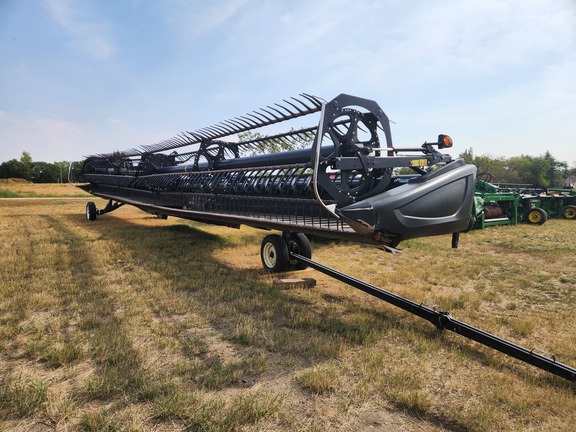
(569,212)
(537,216)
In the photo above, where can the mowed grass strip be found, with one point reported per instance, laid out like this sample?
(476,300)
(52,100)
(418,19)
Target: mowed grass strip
(134,323)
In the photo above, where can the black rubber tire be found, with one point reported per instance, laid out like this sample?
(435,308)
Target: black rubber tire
(274,254)
(91,211)
(298,243)
(536,216)
(569,212)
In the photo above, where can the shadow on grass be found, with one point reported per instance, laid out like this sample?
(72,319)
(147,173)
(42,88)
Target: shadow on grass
(246,310)
(118,364)
(279,321)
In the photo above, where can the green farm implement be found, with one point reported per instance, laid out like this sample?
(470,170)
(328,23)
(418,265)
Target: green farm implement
(494,205)
(511,204)
(557,203)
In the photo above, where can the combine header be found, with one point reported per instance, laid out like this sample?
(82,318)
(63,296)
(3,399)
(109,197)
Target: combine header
(337,180)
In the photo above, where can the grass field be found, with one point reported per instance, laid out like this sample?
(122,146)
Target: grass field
(19,188)
(134,323)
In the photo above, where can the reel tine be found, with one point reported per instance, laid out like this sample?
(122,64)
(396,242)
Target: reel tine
(243,122)
(238,127)
(185,139)
(214,130)
(226,127)
(162,146)
(250,121)
(203,134)
(272,114)
(317,102)
(289,108)
(280,113)
(290,113)
(158,147)
(215,133)
(220,130)
(294,106)
(172,143)
(280,141)
(178,140)
(268,119)
(147,148)
(194,136)
(255,114)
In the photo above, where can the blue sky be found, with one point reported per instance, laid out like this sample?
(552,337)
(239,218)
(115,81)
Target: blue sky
(79,77)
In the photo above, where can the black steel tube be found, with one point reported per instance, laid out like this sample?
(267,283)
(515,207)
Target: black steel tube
(281,158)
(443,320)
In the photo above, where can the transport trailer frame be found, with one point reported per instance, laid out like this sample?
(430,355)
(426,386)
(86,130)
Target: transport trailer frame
(444,320)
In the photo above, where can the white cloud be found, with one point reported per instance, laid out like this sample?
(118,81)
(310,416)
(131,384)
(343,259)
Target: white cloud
(463,65)
(87,34)
(193,19)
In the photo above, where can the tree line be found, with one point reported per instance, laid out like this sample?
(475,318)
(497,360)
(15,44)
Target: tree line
(544,170)
(37,172)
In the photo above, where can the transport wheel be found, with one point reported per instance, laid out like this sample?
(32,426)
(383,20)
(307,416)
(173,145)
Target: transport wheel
(537,216)
(90,211)
(298,243)
(569,212)
(274,253)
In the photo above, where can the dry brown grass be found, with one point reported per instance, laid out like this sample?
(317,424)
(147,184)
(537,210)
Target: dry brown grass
(134,323)
(20,188)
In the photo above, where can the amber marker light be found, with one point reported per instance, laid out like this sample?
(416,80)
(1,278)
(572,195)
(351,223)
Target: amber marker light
(444,141)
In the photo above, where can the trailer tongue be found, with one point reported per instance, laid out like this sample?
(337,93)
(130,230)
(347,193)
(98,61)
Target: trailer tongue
(444,320)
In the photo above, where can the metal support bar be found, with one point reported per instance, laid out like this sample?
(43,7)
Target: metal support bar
(443,320)
(110,207)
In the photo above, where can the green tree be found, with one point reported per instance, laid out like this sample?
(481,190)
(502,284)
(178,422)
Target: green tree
(26,158)
(545,170)
(258,143)
(18,168)
(62,171)
(27,166)
(556,170)
(37,172)
(12,169)
(467,156)
(520,170)
(44,173)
